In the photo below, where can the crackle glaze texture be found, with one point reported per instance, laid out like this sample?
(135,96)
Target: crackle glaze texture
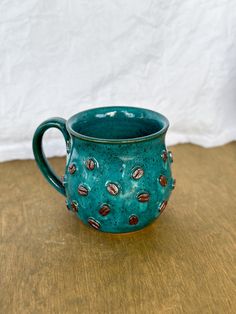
(118,186)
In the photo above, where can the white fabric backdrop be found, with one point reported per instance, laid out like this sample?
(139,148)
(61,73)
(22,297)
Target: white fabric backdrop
(59,57)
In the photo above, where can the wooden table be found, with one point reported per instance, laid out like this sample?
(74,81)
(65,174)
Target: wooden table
(183,263)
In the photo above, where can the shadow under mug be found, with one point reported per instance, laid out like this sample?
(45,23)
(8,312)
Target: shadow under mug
(118,170)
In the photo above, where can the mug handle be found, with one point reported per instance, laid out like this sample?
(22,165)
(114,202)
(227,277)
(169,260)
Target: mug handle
(40,158)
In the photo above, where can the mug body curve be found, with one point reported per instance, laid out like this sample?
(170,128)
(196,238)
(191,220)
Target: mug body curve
(118,172)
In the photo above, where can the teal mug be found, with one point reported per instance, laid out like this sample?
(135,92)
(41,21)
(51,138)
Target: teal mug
(118,170)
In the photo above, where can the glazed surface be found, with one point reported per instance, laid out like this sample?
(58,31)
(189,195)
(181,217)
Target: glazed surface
(118,187)
(118,173)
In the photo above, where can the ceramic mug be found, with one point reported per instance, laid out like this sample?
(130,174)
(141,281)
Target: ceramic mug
(118,170)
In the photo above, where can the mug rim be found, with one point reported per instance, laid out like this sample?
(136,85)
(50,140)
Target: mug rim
(161,118)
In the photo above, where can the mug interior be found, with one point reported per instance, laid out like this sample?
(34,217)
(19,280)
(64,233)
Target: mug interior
(117,124)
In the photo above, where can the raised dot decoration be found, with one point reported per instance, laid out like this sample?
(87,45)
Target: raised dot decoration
(162,206)
(143,197)
(104,210)
(112,188)
(164,155)
(72,168)
(90,164)
(137,173)
(133,220)
(67,205)
(82,190)
(94,223)
(170,156)
(74,206)
(163,180)
(173,183)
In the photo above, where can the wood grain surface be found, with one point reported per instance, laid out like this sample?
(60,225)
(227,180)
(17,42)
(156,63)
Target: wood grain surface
(183,263)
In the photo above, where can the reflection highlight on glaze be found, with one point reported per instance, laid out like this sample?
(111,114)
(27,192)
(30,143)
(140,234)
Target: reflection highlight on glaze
(107,114)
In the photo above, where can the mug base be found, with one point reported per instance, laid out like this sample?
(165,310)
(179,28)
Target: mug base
(119,231)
